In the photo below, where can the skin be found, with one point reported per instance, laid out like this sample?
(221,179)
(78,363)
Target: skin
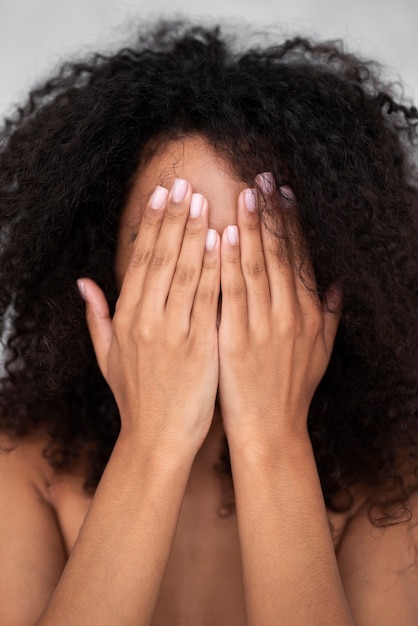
(152,549)
(271,329)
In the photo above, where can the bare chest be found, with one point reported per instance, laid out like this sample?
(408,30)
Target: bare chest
(203,581)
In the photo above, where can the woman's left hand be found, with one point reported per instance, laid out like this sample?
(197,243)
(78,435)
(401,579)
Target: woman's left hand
(275,335)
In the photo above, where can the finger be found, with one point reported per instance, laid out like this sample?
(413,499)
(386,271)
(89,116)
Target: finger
(331,307)
(252,260)
(277,249)
(189,264)
(297,246)
(205,304)
(98,320)
(293,257)
(234,316)
(167,248)
(146,237)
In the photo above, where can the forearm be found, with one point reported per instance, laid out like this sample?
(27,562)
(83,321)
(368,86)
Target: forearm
(159,355)
(115,571)
(290,570)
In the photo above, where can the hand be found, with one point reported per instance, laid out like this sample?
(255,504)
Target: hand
(159,354)
(275,336)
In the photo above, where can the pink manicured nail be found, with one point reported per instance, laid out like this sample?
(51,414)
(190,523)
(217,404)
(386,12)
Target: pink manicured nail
(81,288)
(286,193)
(211,238)
(265,181)
(179,190)
(333,298)
(196,205)
(250,200)
(232,235)
(158,198)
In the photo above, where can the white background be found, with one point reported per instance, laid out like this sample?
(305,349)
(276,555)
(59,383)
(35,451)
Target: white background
(35,35)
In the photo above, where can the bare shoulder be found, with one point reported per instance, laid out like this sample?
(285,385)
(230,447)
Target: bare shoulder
(31,546)
(378,562)
(25,456)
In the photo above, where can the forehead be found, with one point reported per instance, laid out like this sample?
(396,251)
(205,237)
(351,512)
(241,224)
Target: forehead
(194,159)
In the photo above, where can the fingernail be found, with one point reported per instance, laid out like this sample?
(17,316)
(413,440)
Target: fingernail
(158,198)
(211,238)
(179,190)
(250,200)
(232,235)
(333,298)
(286,193)
(81,288)
(196,205)
(265,181)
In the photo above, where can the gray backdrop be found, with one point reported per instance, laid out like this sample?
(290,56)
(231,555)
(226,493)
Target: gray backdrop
(35,35)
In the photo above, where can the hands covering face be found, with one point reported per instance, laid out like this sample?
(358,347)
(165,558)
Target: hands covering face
(275,336)
(164,356)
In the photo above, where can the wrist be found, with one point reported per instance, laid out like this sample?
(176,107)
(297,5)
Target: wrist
(286,475)
(265,449)
(160,434)
(159,456)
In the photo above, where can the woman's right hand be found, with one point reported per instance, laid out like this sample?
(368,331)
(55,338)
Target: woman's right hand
(159,353)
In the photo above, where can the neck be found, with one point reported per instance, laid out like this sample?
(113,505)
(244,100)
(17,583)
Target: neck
(208,474)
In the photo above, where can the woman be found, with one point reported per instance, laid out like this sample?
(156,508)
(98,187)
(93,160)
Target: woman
(230,439)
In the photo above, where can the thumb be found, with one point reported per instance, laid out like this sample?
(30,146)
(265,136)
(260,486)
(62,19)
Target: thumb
(98,320)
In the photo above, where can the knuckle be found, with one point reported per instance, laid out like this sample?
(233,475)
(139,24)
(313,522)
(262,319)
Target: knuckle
(160,258)
(209,264)
(174,215)
(145,332)
(184,274)
(233,259)
(255,268)
(150,218)
(140,258)
(192,229)
(251,224)
(233,289)
(206,295)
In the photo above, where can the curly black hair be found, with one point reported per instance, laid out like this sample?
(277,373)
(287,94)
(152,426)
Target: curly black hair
(320,120)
